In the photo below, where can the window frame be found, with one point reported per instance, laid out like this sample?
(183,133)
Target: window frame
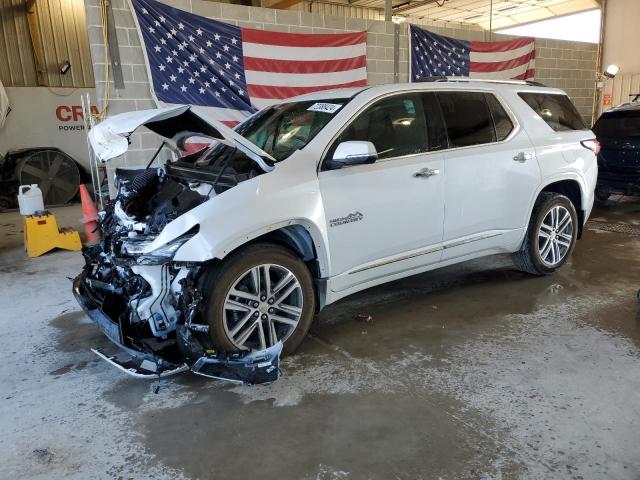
(516,123)
(329,147)
(504,109)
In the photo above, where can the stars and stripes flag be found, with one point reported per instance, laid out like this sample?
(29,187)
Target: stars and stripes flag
(435,55)
(235,71)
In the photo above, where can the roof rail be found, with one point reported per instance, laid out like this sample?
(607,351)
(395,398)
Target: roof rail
(442,78)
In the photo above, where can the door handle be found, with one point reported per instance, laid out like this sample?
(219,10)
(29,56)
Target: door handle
(426,173)
(523,157)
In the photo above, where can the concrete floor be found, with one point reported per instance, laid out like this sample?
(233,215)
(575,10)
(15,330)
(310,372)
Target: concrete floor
(475,371)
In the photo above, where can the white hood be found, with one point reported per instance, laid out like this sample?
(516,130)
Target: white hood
(109,139)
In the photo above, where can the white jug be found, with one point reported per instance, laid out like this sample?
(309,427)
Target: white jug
(30,199)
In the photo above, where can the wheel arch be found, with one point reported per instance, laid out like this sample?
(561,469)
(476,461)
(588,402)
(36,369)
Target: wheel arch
(295,238)
(573,190)
(301,239)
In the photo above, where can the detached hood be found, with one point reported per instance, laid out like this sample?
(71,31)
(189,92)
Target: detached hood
(110,138)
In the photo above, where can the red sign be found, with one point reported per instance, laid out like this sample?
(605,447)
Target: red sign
(606,100)
(72,113)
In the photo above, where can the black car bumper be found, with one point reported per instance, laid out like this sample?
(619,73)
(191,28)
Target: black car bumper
(110,327)
(618,183)
(240,367)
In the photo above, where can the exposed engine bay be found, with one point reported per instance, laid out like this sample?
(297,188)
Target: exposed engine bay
(145,302)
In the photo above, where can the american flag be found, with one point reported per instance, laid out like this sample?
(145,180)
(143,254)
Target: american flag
(436,55)
(235,71)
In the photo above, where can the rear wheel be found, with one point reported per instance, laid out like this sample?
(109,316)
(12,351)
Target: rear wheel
(261,295)
(551,235)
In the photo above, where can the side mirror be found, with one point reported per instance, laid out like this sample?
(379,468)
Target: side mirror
(352,153)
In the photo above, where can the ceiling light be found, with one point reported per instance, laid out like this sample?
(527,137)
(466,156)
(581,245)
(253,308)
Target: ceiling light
(64,67)
(611,71)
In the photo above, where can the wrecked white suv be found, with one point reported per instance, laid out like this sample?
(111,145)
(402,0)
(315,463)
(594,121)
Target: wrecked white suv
(235,246)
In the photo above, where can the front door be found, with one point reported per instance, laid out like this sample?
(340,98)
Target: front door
(386,216)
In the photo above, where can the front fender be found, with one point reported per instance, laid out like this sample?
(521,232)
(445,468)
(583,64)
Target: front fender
(289,195)
(200,248)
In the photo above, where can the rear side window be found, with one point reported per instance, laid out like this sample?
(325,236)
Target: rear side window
(557,110)
(467,118)
(618,126)
(501,121)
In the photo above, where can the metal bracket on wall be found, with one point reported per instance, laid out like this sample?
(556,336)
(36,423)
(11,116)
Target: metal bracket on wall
(114,51)
(396,53)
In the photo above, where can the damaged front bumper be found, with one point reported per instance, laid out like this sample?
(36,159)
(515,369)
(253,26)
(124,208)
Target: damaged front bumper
(141,361)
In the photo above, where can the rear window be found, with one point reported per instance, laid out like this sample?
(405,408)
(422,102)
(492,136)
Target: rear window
(557,110)
(618,126)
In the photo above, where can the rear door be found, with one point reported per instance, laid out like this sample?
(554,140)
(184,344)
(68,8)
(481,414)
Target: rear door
(386,216)
(492,173)
(568,127)
(557,131)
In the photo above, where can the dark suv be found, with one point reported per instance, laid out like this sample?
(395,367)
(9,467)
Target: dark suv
(618,131)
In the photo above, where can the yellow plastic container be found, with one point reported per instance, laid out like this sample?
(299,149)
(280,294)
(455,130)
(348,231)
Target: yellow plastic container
(41,234)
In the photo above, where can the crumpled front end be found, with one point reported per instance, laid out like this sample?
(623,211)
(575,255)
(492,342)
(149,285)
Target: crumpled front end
(145,302)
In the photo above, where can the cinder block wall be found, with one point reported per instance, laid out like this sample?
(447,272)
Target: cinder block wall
(567,65)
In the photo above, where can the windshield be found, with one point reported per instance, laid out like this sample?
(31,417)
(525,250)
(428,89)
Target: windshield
(283,129)
(621,126)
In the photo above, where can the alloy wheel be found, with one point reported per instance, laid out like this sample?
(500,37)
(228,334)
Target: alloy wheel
(555,236)
(264,305)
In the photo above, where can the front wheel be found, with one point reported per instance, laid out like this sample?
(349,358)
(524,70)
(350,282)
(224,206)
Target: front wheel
(551,235)
(259,296)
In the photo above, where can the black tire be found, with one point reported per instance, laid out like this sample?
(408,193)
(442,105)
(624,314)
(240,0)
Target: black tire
(601,195)
(528,258)
(219,280)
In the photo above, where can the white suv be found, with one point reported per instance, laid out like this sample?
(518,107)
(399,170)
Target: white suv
(239,240)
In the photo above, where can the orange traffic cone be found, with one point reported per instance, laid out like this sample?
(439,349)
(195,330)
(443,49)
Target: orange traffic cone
(90,214)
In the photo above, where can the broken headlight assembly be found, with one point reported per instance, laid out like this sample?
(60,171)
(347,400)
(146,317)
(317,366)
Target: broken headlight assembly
(139,248)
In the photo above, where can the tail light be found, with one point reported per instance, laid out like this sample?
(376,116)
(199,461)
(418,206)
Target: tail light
(592,144)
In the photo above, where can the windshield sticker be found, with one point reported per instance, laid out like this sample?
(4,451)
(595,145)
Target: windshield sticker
(325,107)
